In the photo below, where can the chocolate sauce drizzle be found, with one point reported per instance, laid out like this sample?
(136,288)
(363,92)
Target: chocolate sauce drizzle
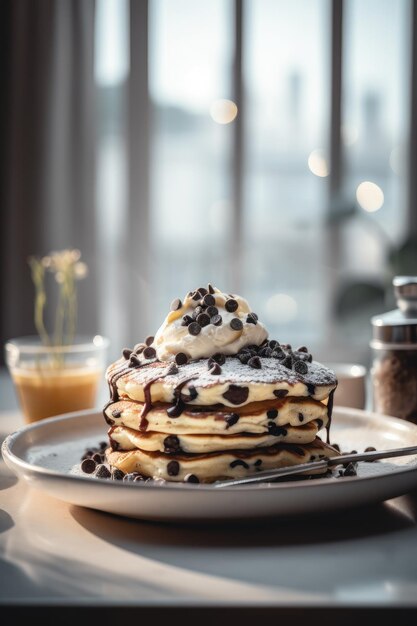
(114,394)
(179,406)
(329,415)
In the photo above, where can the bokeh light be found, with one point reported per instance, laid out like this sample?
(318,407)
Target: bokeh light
(223,111)
(281,308)
(369,196)
(317,163)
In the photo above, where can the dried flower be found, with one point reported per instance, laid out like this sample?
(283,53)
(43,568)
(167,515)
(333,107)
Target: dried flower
(67,268)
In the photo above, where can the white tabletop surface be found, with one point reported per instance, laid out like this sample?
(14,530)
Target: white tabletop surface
(53,553)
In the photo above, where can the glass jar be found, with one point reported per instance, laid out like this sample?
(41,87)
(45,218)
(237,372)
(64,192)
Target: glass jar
(394,354)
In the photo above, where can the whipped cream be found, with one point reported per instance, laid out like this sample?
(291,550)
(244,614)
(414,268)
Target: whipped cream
(174,337)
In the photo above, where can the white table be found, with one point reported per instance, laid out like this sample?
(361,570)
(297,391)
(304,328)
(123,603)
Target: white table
(53,554)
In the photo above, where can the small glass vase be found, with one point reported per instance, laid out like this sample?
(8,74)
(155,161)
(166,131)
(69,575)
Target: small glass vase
(51,380)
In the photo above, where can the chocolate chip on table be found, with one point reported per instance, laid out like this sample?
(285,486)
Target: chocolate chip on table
(191,478)
(236,394)
(181,358)
(255,362)
(209,300)
(173,468)
(216,320)
(301,367)
(88,466)
(171,444)
(149,340)
(176,304)
(215,370)
(231,420)
(117,474)
(250,319)
(272,414)
(236,323)
(212,311)
(126,353)
(280,393)
(186,319)
(231,305)
(102,472)
(210,288)
(203,319)
(194,328)
(134,360)
(149,353)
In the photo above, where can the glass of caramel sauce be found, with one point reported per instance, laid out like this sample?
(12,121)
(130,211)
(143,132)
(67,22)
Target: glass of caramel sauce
(51,380)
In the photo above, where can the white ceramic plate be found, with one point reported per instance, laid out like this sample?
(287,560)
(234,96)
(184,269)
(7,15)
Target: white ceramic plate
(44,454)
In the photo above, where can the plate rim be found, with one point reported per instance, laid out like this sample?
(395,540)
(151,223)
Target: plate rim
(14,461)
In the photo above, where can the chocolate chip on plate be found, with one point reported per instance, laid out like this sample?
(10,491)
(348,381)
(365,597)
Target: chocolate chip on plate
(236,323)
(117,474)
(231,305)
(194,328)
(88,466)
(102,472)
(176,304)
(149,352)
(191,478)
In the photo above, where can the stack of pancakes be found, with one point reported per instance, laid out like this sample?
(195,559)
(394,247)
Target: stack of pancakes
(220,417)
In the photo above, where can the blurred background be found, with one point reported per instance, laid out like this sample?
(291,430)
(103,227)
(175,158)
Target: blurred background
(266,146)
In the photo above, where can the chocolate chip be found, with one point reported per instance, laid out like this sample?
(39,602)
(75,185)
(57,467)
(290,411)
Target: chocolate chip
(287,362)
(369,449)
(350,470)
(236,323)
(139,348)
(272,414)
(196,296)
(319,424)
(173,468)
(176,304)
(301,417)
(126,353)
(250,319)
(231,420)
(98,458)
(216,320)
(191,478)
(194,329)
(181,358)
(231,305)
(219,358)
(236,395)
(149,352)
(102,472)
(134,360)
(192,392)
(117,474)
(202,291)
(265,352)
(172,369)
(278,353)
(211,311)
(280,393)
(244,357)
(171,444)
(116,413)
(198,309)
(310,358)
(286,346)
(215,370)
(186,319)
(149,340)
(210,288)
(311,389)
(258,463)
(275,430)
(255,362)
(239,463)
(301,367)
(203,319)
(336,446)
(209,300)
(88,466)
(103,445)
(302,349)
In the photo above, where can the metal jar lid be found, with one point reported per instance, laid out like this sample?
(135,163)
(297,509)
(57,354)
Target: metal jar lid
(398,329)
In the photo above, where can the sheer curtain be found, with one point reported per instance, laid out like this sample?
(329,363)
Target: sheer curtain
(47,150)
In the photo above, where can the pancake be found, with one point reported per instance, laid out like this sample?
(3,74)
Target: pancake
(237,383)
(255,418)
(122,438)
(214,466)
